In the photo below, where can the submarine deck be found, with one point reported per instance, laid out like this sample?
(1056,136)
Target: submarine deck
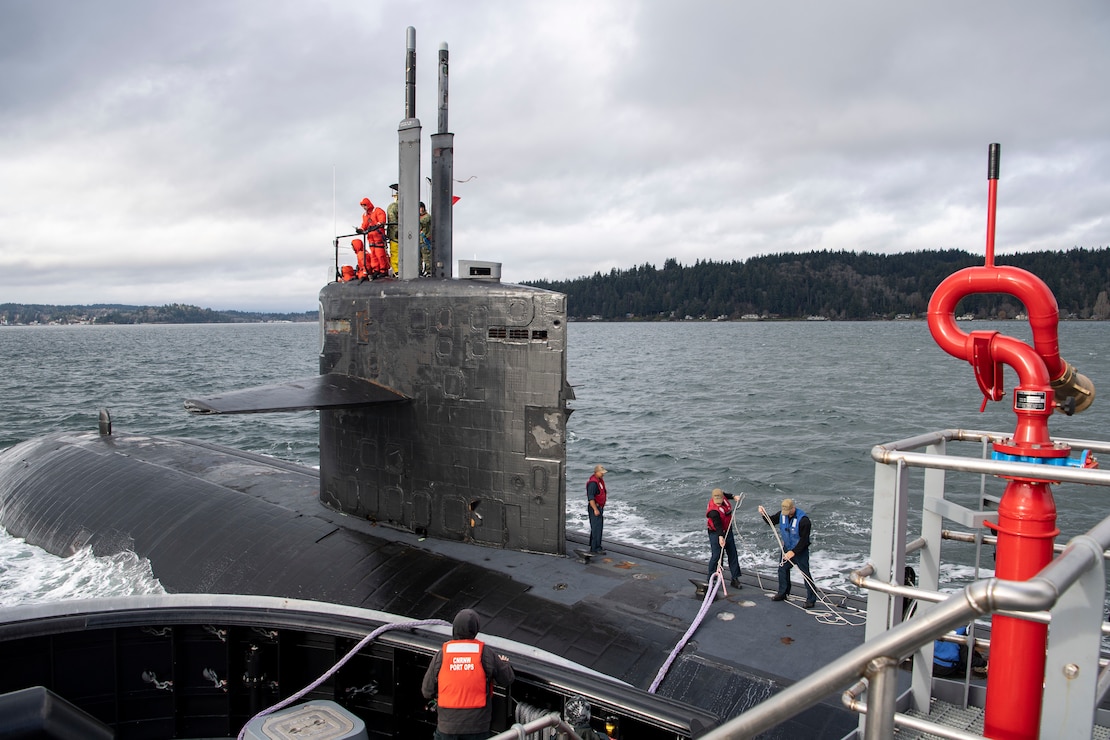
(218,520)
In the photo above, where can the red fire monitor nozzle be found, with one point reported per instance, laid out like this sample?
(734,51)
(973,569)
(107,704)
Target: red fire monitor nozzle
(1026,523)
(1040,368)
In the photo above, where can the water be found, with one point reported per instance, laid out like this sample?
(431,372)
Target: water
(771,409)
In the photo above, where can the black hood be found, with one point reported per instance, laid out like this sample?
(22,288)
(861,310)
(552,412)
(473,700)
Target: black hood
(465,626)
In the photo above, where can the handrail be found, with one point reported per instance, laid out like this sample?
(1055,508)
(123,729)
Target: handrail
(860,579)
(977,435)
(978,599)
(988,539)
(1031,471)
(520,732)
(850,699)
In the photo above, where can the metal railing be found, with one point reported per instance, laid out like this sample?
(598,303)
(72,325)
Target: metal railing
(1068,592)
(521,731)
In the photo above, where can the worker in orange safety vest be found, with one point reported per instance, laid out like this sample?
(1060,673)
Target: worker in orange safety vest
(461,677)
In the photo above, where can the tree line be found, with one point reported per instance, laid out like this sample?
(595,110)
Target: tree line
(832,285)
(171,313)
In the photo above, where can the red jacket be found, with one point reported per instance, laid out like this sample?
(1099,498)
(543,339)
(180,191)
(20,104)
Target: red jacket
(372,216)
(360,255)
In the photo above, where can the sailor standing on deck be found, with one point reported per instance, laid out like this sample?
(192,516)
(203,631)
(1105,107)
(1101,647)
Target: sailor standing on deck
(461,678)
(718,519)
(391,222)
(373,223)
(360,256)
(425,241)
(794,530)
(595,496)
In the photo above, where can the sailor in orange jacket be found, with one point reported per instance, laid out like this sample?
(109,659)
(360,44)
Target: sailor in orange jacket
(461,677)
(360,254)
(373,224)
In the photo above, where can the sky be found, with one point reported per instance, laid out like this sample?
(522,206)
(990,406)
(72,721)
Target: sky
(208,152)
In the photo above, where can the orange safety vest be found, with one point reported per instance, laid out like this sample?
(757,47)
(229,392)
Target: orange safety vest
(462,679)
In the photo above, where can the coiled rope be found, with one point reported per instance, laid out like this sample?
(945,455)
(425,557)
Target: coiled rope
(342,661)
(524,713)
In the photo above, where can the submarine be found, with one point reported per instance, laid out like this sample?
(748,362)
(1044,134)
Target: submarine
(443,403)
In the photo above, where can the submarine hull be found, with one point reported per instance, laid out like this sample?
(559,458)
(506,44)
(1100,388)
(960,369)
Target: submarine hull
(218,520)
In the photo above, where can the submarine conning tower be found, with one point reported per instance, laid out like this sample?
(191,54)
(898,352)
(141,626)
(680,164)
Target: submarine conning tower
(443,401)
(477,452)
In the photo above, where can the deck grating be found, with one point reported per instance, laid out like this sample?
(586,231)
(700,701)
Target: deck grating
(959,718)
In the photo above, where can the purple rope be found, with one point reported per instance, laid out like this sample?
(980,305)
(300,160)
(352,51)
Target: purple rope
(350,654)
(716,580)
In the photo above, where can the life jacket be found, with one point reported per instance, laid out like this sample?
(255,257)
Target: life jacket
(599,499)
(462,679)
(724,509)
(788,528)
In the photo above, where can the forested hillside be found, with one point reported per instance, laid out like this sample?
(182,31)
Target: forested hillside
(101,313)
(833,285)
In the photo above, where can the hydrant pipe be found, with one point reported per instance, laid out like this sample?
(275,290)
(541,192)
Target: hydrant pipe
(1040,305)
(1026,530)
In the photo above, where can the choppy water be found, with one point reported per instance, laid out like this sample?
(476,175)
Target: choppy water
(672,410)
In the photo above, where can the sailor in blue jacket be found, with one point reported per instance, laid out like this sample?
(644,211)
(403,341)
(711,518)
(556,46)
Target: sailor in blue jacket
(794,530)
(950,658)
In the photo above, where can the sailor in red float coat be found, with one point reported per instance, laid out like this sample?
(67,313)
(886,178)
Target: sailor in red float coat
(723,520)
(718,520)
(360,255)
(463,705)
(595,496)
(373,224)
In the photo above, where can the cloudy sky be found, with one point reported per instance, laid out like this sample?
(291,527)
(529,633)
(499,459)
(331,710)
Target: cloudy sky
(207,151)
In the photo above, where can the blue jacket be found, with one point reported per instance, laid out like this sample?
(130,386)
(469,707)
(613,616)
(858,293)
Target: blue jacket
(947,654)
(792,532)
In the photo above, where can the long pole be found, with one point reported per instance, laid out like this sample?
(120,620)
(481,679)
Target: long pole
(994,152)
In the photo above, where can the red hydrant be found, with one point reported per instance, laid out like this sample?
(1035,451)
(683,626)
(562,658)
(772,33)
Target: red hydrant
(1026,523)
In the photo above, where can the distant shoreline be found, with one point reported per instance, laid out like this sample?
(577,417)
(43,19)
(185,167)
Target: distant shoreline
(153,323)
(24,314)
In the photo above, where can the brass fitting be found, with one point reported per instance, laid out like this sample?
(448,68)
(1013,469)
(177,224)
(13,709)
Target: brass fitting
(1073,391)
